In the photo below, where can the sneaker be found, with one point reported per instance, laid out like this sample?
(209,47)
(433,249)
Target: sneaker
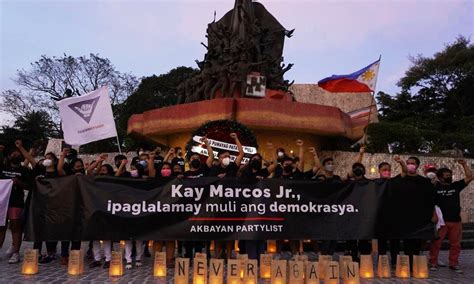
(441,264)
(64,260)
(128,266)
(456,269)
(9,252)
(15,258)
(95,264)
(106,264)
(47,259)
(138,263)
(433,267)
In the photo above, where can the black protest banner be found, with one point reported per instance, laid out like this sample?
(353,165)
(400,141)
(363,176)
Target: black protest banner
(106,208)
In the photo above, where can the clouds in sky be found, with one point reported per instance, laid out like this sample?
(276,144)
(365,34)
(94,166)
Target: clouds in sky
(151,37)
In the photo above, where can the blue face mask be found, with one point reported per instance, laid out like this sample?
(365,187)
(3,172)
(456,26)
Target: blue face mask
(143,163)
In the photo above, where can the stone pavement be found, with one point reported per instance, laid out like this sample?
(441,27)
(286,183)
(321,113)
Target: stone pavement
(55,273)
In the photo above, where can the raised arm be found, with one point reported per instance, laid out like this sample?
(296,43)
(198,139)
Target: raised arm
(64,153)
(467,171)
(300,144)
(271,168)
(210,152)
(121,168)
(317,163)
(239,158)
(361,154)
(402,165)
(170,155)
(25,153)
(151,165)
(95,165)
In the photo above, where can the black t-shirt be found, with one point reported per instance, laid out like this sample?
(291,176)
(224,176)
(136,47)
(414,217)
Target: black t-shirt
(248,173)
(297,175)
(411,202)
(203,171)
(125,174)
(158,161)
(334,178)
(40,172)
(17,196)
(230,170)
(178,161)
(447,198)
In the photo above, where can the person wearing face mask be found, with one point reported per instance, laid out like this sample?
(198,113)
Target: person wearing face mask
(45,168)
(165,173)
(74,167)
(412,197)
(448,199)
(226,168)
(120,162)
(21,177)
(94,167)
(178,159)
(354,247)
(385,172)
(104,170)
(293,172)
(253,171)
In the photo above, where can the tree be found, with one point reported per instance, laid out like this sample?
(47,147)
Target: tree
(34,129)
(153,92)
(48,79)
(435,109)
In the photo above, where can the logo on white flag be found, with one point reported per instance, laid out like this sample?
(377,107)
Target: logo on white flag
(85,109)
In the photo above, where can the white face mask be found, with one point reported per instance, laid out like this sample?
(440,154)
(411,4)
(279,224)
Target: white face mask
(329,168)
(281,154)
(47,163)
(431,175)
(226,161)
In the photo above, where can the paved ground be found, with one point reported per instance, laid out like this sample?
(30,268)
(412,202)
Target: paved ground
(55,273)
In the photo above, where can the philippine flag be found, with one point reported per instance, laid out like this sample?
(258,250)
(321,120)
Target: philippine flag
(358,82)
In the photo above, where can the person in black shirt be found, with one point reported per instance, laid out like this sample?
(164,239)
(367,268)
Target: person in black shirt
(196,168)
(21,177)
(178,159)
(226,168)
(46,168)
(120,162)
(412,197)
(295,172)
(448,200)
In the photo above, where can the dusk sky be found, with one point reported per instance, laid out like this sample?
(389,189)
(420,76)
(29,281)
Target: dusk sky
(152,37)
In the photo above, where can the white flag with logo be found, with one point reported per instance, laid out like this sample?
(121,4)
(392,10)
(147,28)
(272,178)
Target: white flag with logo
(87,118)
(5,190)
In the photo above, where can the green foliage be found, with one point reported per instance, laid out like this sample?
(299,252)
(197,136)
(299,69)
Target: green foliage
(34,129)
(153,92)
(435,109)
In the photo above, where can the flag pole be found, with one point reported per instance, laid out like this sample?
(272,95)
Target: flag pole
(372,100)
(118,144)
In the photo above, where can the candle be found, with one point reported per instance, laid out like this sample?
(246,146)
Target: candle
(199,270)
(250,271)
(332,273)
(159,266)
(233,271)
(420,266)
(271,246)
(266,266)
(116,265)
(403,266)
(350,273)
(296,272)
(75,263)
(383,267)
(311,273)
(216,271)
(181,271)
(30,262)
(279,272)
(366,266)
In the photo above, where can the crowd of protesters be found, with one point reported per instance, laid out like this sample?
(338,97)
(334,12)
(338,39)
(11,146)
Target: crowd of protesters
(21,166)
